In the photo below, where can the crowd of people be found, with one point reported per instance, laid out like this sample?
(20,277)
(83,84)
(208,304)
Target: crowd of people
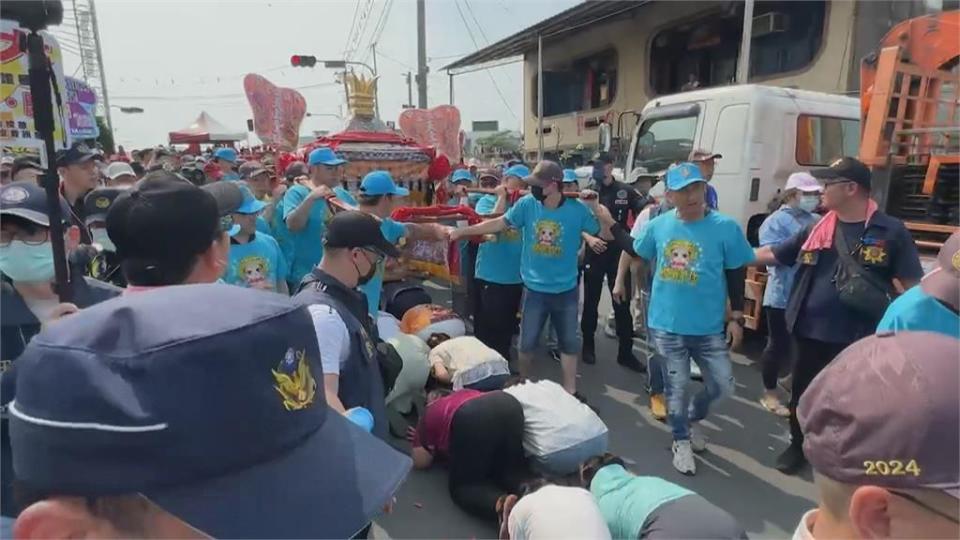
(223,366)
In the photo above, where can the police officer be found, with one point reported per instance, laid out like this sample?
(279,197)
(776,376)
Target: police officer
(854,237)
(354,247)
(601,260)
(100,260)
(27,296)
(79,173)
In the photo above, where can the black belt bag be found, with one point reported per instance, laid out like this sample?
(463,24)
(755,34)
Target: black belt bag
(857,288)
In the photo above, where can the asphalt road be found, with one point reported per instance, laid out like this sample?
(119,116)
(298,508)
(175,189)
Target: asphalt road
(734,473)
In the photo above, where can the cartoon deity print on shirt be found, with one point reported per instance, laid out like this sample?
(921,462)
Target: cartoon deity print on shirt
(253,272)
(680,262)
(548,234)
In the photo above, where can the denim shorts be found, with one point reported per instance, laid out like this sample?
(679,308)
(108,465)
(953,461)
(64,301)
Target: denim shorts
(563,311)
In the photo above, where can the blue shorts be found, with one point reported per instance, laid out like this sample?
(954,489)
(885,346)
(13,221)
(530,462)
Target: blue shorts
(563,311)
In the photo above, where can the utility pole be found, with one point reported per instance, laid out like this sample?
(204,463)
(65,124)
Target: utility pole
(376,94)
(421,54)
(409,104)
(451,87)
(743,63)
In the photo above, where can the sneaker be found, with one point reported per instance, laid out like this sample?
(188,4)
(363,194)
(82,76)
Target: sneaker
(588,355)
(695,372)
(791,460)
(683,458)
(658,406)
(698,441)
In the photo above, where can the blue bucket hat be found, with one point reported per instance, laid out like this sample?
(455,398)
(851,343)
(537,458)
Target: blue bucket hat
(215,413)
(461,175)
(519,171)
(324,156)
(250,204)
(381,183)
(226,154)
(682,175)
(569,176)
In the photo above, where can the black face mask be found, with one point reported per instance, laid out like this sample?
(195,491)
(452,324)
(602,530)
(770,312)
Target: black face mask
(537,192)
(363,279)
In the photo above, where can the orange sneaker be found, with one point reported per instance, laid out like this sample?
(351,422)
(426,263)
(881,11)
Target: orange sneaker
(658,407)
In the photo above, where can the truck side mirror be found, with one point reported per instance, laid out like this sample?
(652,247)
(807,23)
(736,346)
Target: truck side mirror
(606,137)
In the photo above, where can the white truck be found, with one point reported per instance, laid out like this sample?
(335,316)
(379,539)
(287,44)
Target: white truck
(763,132)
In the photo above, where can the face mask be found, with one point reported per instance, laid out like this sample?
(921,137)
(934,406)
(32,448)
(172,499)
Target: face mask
(809,203)
(100,237)
(537,192)
(23,262)
(363,279)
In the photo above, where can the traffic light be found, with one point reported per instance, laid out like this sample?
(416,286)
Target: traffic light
(299,60)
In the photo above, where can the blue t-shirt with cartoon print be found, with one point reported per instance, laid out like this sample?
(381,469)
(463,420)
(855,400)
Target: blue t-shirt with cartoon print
(393,232)
(257,264)
(551,240)
(689,293)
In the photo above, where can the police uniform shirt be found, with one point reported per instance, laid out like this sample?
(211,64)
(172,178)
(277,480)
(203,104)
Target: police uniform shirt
(814,311)
(620,199)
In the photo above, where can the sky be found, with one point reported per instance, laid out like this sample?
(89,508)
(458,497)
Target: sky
(176,59)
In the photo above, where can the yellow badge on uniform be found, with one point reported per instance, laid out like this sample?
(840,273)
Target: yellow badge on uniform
(808,257)
(295,383)
(873,254)
(955,261)
(102,202)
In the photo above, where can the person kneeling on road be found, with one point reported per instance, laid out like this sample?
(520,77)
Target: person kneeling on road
(648,507)
(546,511)
(481,437)
(465,362)
(559,431)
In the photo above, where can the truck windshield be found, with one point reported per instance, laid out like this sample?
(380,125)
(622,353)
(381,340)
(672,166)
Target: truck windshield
(662,141)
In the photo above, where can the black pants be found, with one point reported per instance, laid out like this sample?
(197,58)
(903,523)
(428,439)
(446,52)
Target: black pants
(690,516)
(495,314)
(596,268)
(777,351)
(486,453)
(811,357)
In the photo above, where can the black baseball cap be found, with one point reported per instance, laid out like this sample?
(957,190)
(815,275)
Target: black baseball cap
(209,401)
(845,169)
(97,203)
(77,153)
(355,229)
(25,162)
(163,214)
(27,200)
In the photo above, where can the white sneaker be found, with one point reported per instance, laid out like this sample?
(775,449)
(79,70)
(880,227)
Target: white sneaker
(683,458)
(698,441)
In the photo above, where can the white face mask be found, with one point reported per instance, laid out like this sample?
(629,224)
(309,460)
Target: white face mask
(809,203)
(99,236)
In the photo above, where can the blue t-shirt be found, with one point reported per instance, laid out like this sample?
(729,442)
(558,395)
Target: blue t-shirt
(393,232)
(258,264)
(283,236)
(308,241)
(498,261)
(345,196)
(263,226)
(779,227)
(689,293)
(626,501)
(551,240)
(915,310)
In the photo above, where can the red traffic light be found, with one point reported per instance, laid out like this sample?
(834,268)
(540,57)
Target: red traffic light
(299,60)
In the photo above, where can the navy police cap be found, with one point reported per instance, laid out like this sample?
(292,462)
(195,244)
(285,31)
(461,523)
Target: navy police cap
(208,400)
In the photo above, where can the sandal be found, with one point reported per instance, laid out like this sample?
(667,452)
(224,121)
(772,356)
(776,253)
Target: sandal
(774,406)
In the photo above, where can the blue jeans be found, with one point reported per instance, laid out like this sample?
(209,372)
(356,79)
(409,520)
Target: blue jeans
(711,354)
(655,374)
(568,460)
(561,308)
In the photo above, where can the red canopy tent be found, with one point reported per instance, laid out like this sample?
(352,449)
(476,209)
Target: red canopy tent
(206,129)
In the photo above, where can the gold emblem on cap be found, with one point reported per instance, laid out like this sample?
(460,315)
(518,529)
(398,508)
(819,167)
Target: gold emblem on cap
(955,261)
(295,383)
(102,202)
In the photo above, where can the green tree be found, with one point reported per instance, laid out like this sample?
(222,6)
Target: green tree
(503,142)
(106,136)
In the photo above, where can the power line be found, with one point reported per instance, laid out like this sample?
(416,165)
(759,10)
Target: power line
(474,17)
(220,96)
(394,60)
(477,45)
(378,28)
(353,22)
